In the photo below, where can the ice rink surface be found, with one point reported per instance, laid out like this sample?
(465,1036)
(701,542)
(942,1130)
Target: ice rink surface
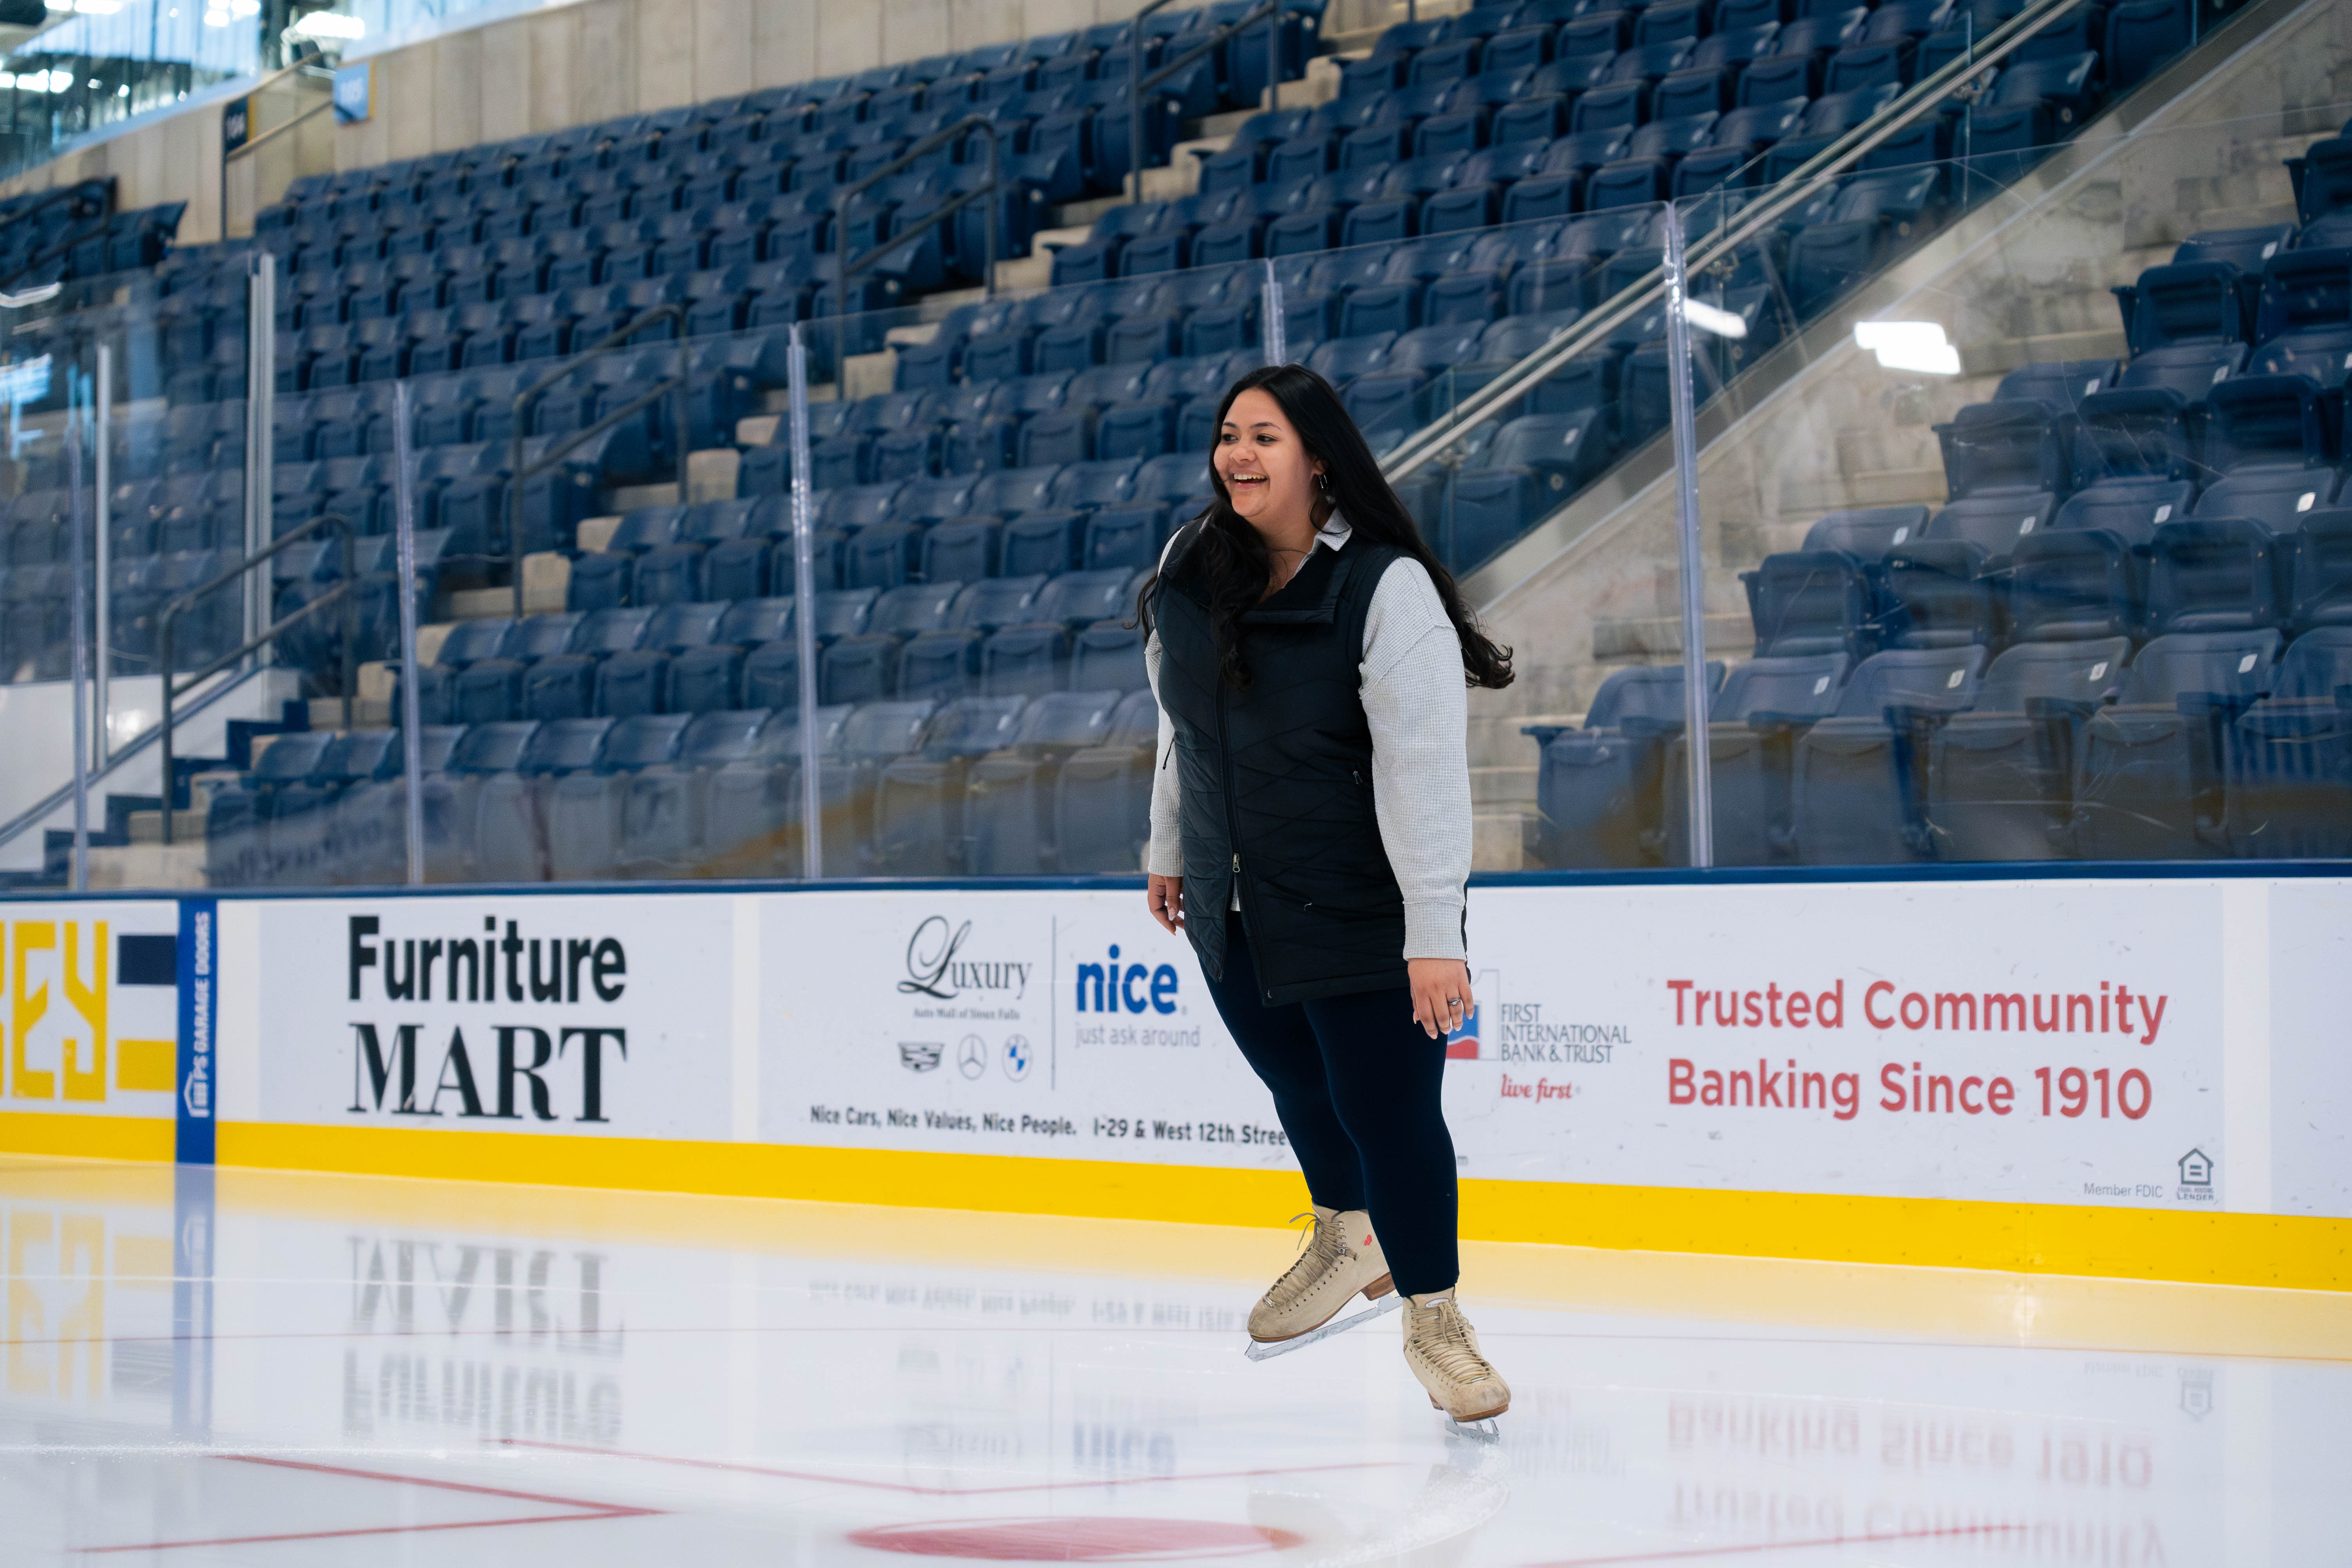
(273,1369)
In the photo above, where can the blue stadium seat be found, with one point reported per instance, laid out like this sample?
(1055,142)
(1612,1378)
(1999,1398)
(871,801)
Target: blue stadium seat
(2320,576)
(1752,724)
(2214,574)
(1812,602)
(1009,795)
(2288,758)
(2000,776)
(1598,788)
(1857,784)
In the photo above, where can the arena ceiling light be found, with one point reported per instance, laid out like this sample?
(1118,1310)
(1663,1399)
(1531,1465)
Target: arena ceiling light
(331,25)
(1715,320)
(1909,345)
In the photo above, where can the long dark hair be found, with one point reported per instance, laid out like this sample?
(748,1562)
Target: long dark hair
(1236,564)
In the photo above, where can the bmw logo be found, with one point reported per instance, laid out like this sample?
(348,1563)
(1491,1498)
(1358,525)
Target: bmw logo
(1017,1058)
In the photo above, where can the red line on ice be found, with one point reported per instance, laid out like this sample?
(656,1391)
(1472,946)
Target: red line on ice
(588,1511)
(943,1491)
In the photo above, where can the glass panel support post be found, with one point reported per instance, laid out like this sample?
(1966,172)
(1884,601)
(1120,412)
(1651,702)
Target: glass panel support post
(102,749)
(1274,62)
(260,408)
(412,736)
(1269,317)
(804,610)
(77,521)
(1694,582)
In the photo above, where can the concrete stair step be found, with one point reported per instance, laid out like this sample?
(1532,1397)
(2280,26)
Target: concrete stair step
(1745,544)
(1503,786)
(2002,356)
(157,866)
(1640,640)
(1881,448)
(1896,488)
(1498,840)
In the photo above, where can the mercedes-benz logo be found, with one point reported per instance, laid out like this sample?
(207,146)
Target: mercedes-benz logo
(971,1056)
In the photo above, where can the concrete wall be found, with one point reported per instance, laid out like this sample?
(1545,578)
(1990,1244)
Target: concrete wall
(589,61)
(568,65)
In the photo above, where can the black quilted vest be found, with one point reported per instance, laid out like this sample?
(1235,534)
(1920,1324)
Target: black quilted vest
(1277,782)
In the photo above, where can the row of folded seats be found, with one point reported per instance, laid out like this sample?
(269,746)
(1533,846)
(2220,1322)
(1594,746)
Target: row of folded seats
(744,180)
(1536,121)
(72,232)
(1923,36)
(722,207)
(1003,636)
(36,609)
(1612,108)
(1018,523)
(2190,488)
(2130,557)
(975,785)
(2201,745)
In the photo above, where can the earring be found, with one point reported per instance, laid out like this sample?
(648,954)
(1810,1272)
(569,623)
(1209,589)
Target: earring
(1323,483)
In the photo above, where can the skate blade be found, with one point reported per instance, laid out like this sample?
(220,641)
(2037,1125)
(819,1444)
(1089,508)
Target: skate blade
(1262,1351)
(1483,1430)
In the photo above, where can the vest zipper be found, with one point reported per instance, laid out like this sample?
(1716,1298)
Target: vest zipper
(1233,827)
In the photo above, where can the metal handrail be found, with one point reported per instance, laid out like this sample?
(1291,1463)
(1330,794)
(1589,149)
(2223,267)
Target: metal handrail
(342,591)
(1797,188)
(250,143)
(561,447)
(65,246)
(233,153)
(845,195)
(1136,81)
(66,194)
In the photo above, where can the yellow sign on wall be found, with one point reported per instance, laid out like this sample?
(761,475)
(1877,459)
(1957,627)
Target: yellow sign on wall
(88,1007)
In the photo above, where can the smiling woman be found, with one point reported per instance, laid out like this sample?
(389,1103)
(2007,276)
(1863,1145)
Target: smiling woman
(1310,832)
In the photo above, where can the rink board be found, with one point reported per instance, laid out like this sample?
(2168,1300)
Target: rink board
(2136,1076)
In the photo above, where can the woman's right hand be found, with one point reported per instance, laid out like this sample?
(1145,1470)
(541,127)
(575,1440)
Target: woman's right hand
(1164,896)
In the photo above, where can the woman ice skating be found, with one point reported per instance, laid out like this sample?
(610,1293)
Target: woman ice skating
(1310,832)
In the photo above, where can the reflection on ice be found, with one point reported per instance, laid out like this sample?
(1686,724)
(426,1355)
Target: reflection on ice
(395,1370)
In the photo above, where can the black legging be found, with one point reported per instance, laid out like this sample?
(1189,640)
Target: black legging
(1357,1084)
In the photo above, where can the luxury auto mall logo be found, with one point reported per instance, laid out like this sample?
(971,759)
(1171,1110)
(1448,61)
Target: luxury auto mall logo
(936,966)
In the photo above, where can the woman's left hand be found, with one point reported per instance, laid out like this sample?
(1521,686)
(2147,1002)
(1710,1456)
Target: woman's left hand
(1441,1002)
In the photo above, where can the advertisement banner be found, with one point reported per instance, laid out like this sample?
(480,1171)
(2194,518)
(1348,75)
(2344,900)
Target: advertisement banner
(2056,1045)
(2088,1043)
(2039,1043)
(199,1047)
(88,1021)
(1062,1023)
(590,1015)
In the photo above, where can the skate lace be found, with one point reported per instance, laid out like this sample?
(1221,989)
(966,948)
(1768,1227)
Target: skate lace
(1319,1250)
(1442,1335)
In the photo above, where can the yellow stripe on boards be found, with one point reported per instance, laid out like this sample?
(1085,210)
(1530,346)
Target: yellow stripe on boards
(2282,1251)
(147,1064)
(86,1137)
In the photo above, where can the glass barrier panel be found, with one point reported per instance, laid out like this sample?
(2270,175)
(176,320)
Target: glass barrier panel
(608,680)
(139,499)
(2016,544)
